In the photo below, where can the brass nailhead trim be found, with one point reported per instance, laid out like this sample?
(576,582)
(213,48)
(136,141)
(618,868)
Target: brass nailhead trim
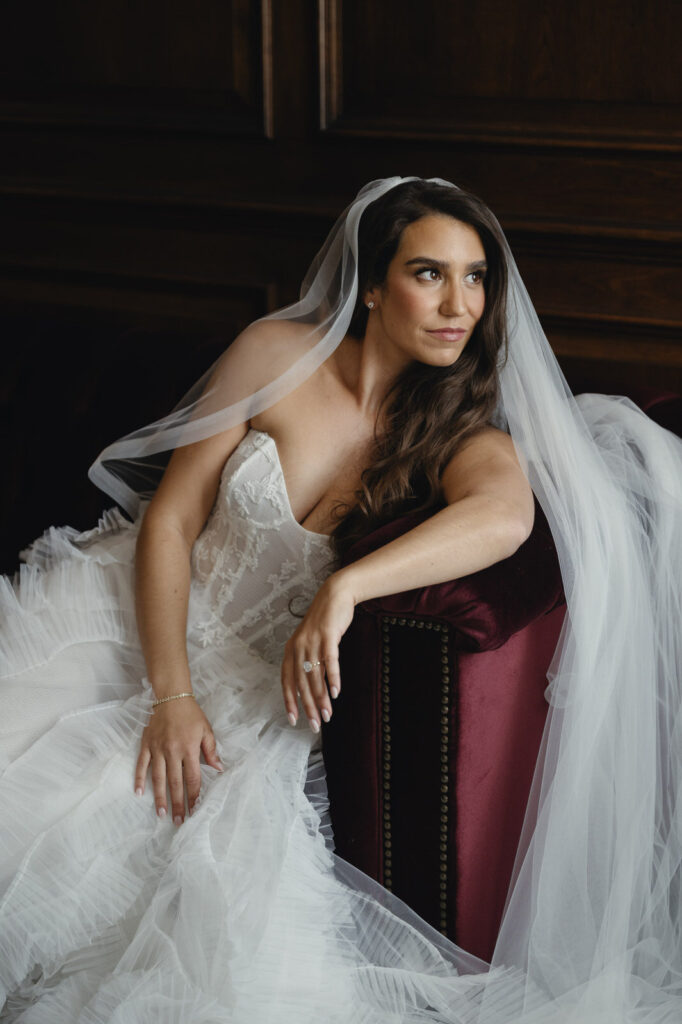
(386,753)
(444,756)
(444,777)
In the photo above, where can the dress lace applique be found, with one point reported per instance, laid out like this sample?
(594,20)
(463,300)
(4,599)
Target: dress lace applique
(255,569)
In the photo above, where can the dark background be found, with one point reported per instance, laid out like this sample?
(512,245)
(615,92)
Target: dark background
(168,170)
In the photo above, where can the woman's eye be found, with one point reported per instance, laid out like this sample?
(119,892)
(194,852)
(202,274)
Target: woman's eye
(476,276)
(431,274)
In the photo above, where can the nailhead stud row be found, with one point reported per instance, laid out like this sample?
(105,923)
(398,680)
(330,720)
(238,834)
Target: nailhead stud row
(393,620)
(386,752)
(444,779)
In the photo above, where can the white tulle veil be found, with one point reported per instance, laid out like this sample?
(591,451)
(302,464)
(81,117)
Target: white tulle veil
(591,931)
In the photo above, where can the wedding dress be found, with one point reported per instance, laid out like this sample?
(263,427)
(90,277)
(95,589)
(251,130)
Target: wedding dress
(107,912)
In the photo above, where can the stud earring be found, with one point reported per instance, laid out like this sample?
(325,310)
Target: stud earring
(370,304)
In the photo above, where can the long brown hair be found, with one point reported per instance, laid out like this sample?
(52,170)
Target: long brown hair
(429,411)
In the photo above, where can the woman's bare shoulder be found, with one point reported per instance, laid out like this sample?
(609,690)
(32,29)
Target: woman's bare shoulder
(276,339)
(487,442)
(488,460)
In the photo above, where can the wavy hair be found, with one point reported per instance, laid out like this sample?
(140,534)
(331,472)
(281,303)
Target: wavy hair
(429,411)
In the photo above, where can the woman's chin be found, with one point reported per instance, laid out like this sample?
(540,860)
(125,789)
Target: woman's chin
(440,359)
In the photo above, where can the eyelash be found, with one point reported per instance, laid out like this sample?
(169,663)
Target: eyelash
(480,274)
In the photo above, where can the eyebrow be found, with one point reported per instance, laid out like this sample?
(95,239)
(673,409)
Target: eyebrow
(444,265)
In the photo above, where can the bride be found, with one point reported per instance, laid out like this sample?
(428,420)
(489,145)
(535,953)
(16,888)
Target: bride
(141,884)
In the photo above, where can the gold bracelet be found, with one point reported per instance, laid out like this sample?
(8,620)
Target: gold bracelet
(174,696)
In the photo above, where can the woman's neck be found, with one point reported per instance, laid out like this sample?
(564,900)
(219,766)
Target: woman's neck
(366,372)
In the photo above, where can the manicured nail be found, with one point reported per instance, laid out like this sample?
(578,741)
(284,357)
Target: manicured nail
(325,714)
(314,724)
(334,692)
(161,812)
(177,820)
(292,718)
(138,791)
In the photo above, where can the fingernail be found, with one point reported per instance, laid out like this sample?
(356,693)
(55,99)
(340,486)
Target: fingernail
(191,811)
(325,714)
(334,692)
(138,791)
(314,724)
(177,820)
(292,718)
(161,812)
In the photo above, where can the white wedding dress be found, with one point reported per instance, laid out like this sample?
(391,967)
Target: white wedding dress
(243,914)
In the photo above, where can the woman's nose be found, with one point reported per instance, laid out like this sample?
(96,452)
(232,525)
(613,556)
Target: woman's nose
(453,303)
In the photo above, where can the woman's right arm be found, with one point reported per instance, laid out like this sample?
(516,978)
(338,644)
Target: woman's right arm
(178,731)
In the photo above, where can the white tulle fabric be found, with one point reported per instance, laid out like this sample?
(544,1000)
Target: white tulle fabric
(245,914)
(593,915)
(109,914)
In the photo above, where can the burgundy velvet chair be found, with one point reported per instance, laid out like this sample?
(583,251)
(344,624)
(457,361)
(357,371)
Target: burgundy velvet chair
(432,746)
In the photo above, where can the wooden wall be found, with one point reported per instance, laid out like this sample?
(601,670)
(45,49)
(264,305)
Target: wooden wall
(168,170)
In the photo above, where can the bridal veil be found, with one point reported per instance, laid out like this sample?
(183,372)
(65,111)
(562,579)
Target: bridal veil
(591,929)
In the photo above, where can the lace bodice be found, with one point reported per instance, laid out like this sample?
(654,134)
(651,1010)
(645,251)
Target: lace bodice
(255,569)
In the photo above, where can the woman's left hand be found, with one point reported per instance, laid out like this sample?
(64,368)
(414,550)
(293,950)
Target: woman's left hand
(317,640)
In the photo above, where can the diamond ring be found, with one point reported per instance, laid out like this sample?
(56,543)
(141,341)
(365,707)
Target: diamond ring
(308,666)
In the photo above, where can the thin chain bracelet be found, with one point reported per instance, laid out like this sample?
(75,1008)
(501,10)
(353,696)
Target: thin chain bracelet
(174,696)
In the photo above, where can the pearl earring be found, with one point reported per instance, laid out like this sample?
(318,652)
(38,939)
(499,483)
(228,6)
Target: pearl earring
(370,304)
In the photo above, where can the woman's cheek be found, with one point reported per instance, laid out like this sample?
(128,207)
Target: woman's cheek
(410,306)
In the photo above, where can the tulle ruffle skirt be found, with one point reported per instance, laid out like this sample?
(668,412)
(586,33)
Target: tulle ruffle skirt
(108,913)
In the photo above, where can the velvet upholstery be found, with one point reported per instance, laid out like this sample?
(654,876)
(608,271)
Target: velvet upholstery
(431,748)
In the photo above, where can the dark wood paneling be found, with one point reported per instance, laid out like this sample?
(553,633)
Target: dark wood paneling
(616,285)
(159,65)
(636,196)
(560,74)
(177,248)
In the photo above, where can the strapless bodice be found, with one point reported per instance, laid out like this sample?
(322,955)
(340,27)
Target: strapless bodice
(255,569)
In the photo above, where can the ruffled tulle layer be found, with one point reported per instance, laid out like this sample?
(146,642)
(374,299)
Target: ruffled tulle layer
(108,913)
(72,588)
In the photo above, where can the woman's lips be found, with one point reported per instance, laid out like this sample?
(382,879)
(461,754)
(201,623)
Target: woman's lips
(450,333)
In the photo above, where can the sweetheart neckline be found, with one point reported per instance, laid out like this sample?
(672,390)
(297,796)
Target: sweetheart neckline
(285,493)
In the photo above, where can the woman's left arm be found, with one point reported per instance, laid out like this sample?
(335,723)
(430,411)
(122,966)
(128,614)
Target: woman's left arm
(488,515)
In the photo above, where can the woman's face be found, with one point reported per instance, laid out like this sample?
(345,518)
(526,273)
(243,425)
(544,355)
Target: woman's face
(433,295)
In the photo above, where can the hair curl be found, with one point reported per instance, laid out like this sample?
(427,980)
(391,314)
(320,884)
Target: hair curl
(429,411)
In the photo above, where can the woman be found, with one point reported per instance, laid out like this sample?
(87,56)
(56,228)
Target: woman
(243,913)
(424,309)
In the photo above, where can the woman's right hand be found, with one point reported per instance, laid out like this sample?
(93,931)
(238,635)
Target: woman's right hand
(173,741)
